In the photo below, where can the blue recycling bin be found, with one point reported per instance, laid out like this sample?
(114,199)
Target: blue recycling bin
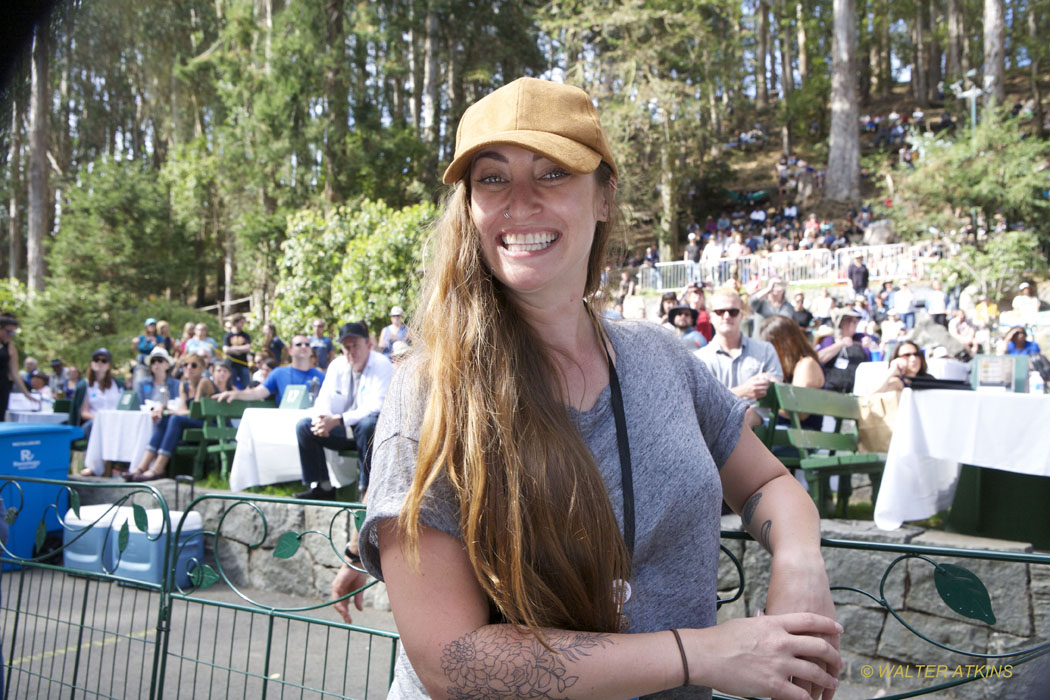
(40,451)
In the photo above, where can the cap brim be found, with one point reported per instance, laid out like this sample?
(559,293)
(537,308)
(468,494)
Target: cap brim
(567,153)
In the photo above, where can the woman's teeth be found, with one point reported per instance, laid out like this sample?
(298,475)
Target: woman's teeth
(527,241)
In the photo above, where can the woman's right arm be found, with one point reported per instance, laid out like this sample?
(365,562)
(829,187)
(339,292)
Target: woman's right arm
(442,615)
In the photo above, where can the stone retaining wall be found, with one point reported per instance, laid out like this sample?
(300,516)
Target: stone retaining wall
(874,641)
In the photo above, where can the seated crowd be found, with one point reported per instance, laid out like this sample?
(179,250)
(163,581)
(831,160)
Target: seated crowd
(168,375)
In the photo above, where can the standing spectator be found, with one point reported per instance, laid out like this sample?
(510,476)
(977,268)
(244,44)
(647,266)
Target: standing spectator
(904,304)
(9,359)
(397,330)
(200,343)
(271,344)
(801,315)
(103,393)
(746,366)
(937,304)
(683,319)
(692,258)
(274,384)
(737,249)
(345,412)
(237,346)
(857,272)
(144,344)
(321,344)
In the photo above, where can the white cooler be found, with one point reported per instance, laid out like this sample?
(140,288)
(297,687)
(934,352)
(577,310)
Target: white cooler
(91,550)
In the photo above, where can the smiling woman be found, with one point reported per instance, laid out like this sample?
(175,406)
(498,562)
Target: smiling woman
(513,447)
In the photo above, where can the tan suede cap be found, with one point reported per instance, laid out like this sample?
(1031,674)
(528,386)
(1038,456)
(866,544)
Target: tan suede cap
(557,121)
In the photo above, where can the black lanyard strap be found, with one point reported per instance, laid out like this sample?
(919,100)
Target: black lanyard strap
(626,476)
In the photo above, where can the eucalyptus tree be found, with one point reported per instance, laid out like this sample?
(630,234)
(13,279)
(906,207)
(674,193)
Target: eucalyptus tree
(843,176)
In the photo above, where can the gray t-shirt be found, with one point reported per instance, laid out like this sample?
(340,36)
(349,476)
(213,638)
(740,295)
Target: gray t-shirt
(682,425)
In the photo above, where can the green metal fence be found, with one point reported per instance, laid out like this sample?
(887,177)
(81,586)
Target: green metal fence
(218,616)
(133,629)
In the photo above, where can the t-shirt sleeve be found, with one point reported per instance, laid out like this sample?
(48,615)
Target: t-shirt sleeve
(395,446)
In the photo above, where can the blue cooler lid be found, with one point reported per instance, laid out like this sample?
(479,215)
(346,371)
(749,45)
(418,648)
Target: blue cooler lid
(70,432)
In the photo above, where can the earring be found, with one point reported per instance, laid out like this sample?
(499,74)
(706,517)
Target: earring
(506,213)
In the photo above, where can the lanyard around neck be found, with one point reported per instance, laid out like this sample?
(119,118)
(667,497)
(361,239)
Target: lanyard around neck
(626,476)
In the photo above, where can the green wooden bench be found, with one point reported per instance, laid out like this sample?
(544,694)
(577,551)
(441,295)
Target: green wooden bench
(842,458)
(219,434)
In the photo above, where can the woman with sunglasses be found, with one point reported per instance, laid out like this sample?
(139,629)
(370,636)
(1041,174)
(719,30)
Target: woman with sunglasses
(513,448)
(103,394)
(160,386)
(172,421)
(907,361)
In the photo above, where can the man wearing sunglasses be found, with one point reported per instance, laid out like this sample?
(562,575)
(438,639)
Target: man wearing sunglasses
(299,372)
(747,366)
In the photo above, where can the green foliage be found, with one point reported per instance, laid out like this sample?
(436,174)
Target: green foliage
(117,233)
(1001,172)
(998,265)
(353,263)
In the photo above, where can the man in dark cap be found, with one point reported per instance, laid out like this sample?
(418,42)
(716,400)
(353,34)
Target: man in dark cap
(345,412)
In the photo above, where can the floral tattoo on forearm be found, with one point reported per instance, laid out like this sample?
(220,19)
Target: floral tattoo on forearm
(499,662)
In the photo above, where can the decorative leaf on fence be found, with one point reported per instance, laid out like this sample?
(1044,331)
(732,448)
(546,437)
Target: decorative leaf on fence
(359,518)
(141,521)
(74,502)
(10,515)
(287,545)
(41,535)
(963,592)
(203,576)
(122,537)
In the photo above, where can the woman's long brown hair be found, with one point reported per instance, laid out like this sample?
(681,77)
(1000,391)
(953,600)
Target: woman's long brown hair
(535,517)
(790,342)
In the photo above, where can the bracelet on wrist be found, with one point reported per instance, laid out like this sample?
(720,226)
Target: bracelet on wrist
(685,661)
(351,556)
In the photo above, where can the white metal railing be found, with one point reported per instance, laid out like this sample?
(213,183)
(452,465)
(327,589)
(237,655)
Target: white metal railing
(892,261)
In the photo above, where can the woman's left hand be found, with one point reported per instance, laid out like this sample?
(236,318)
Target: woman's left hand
(798,584)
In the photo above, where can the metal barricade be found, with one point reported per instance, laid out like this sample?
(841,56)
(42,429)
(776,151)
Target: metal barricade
(208,626)
(814,266)
(98,629)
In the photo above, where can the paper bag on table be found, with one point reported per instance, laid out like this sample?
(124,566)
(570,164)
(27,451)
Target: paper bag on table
(875,427)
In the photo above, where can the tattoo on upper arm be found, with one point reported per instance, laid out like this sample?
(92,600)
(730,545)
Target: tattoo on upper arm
(763,534)
(750,506)
(500,662)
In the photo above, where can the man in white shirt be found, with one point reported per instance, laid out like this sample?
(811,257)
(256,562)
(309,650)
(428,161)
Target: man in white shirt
(345,412)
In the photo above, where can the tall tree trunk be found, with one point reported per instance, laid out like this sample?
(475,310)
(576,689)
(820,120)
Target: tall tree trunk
(933,54)
(956,37)
(1036,49)
(668,185)
(994,57)
(864,72)
(885,68)
(803,50)
(787,76)
(14,220)
(920,43)
(337,91)
(431,92)
(843,178)
(39,190)
(761,52)
(874,52)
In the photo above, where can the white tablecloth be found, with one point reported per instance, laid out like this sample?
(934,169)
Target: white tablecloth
(36,417)
(936,430)
(268,451)
(118,436)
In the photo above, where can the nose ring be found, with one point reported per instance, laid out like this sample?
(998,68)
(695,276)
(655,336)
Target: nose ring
(506,213)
